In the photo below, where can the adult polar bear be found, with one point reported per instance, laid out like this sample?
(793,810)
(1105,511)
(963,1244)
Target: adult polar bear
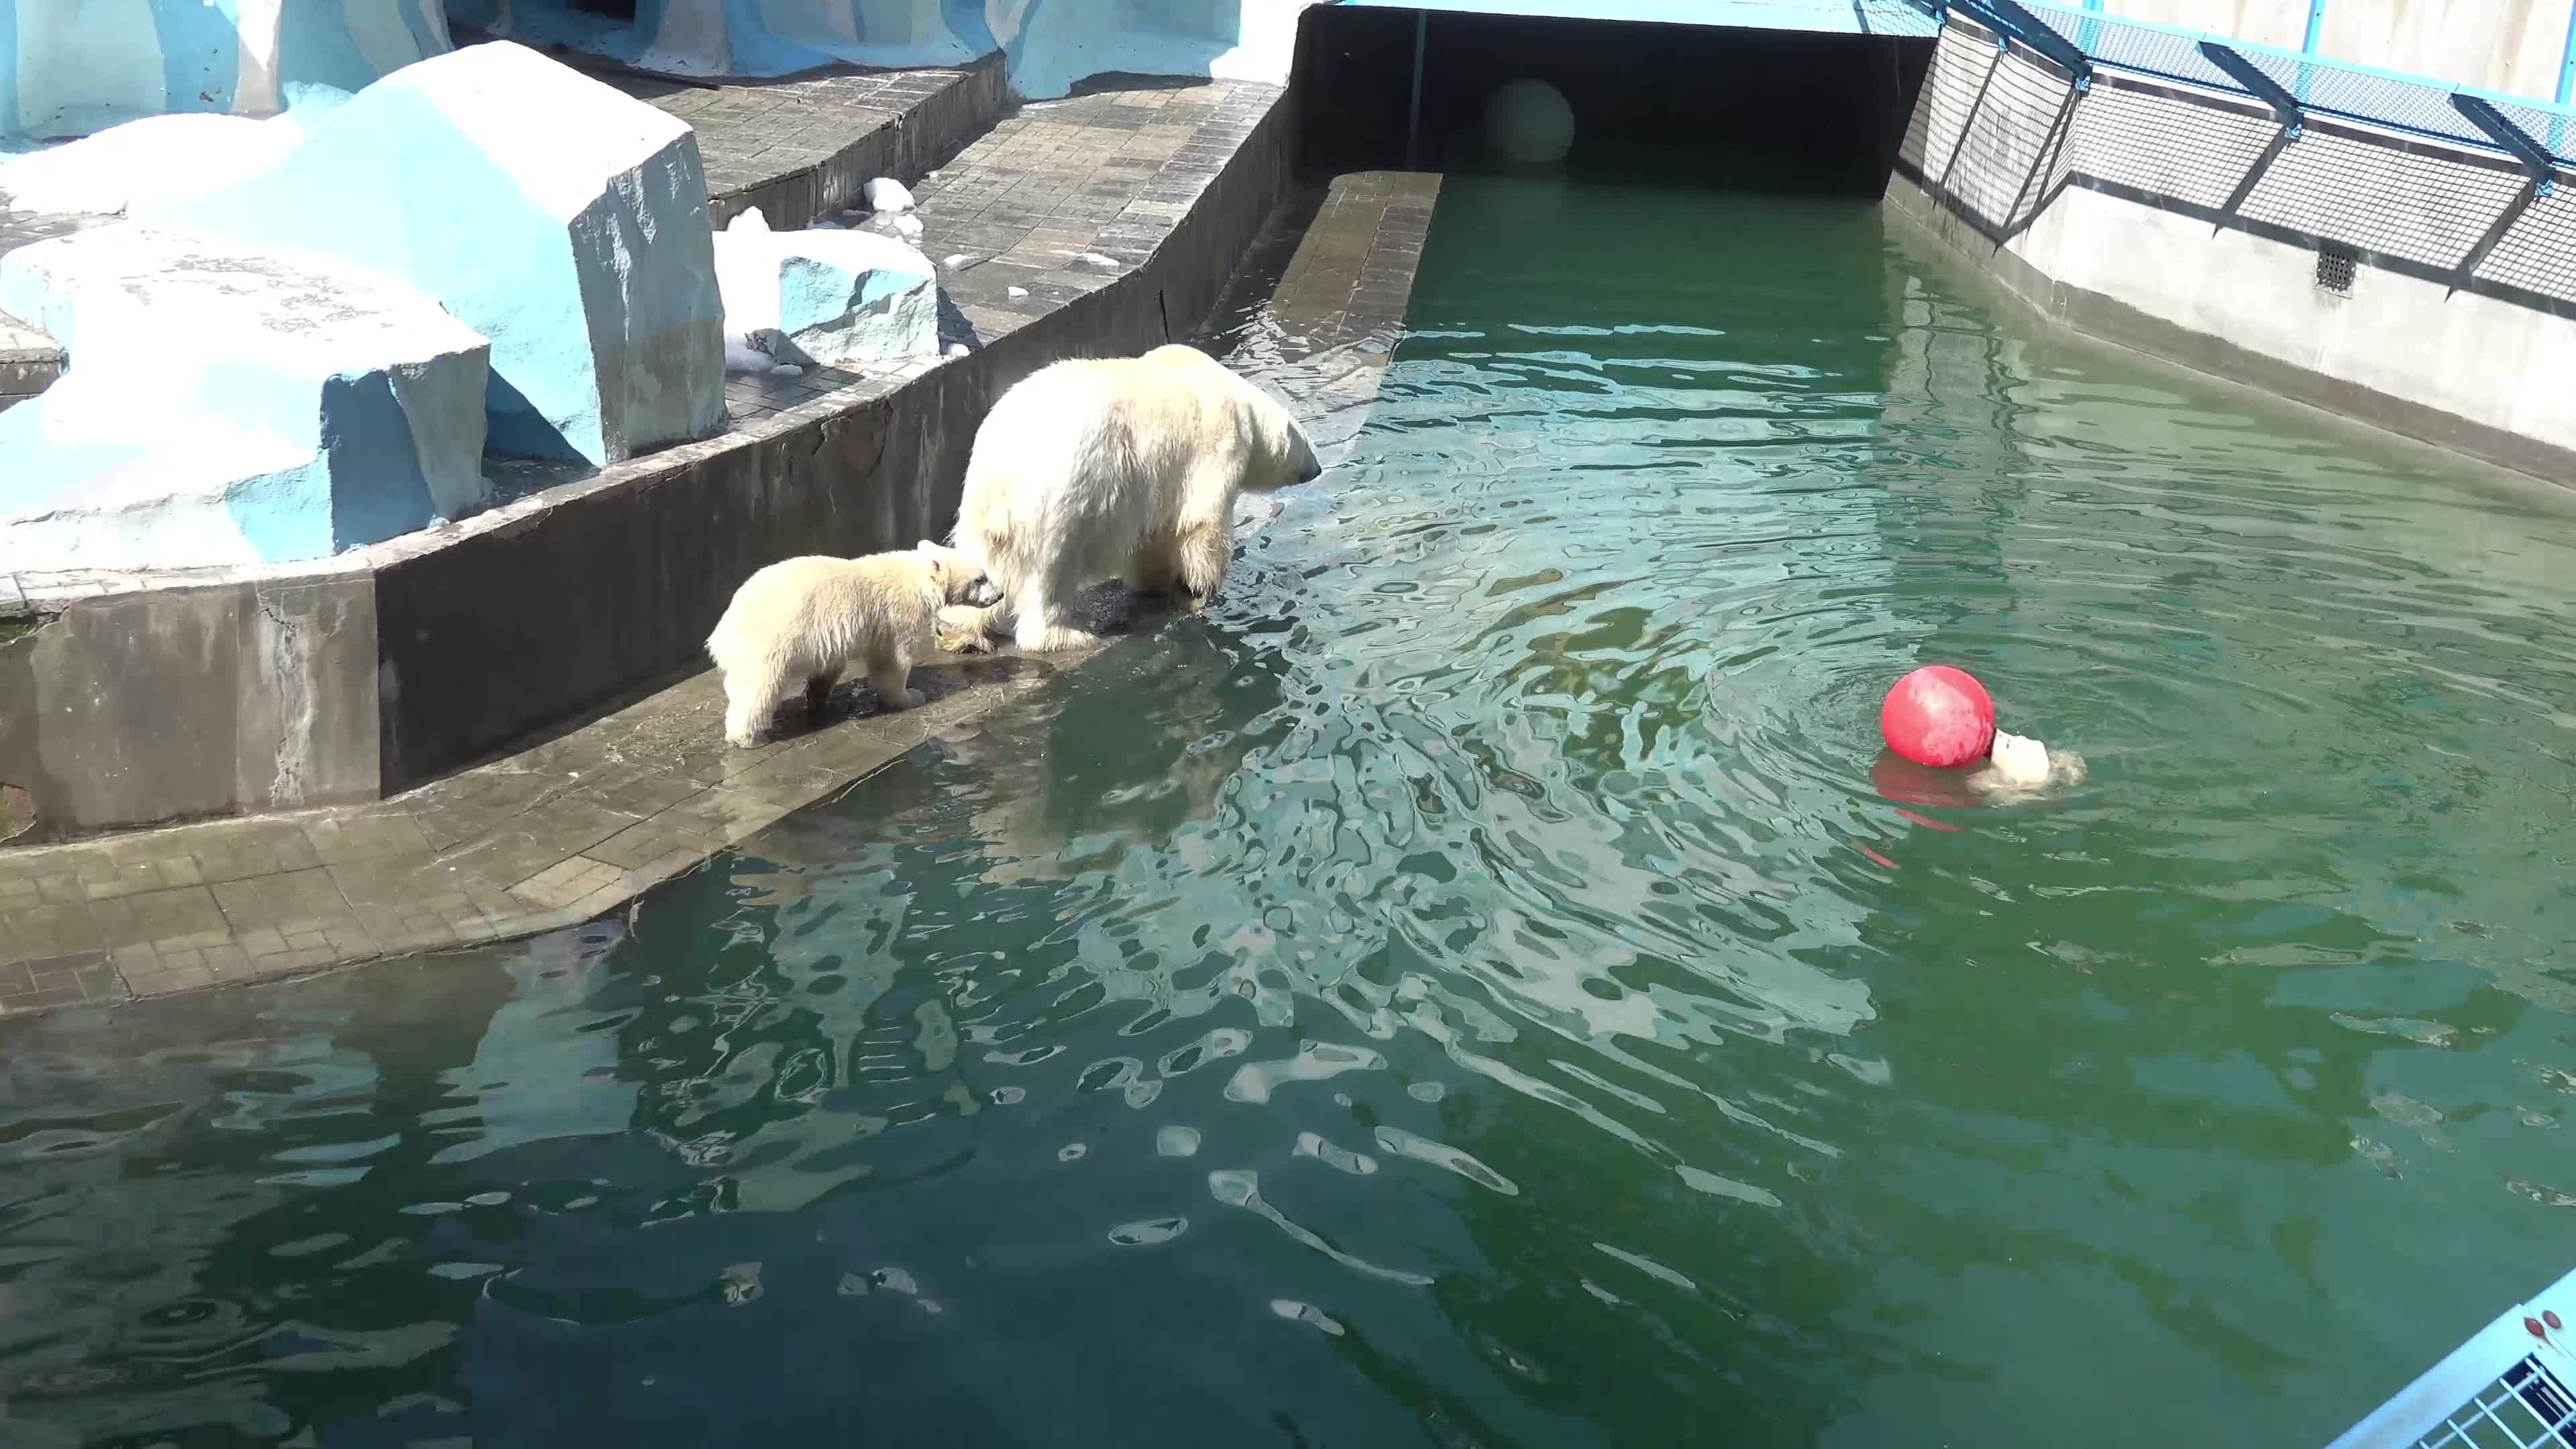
(1114,468)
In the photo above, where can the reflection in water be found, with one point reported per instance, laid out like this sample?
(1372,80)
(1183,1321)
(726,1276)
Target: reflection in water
(1483,984)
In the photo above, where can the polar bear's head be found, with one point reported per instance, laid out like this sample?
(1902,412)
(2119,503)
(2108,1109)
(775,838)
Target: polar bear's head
(1281,454)
(960,578)
(2020,760)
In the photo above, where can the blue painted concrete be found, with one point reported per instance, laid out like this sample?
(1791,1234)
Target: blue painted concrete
(586,261)
(71,67)
(227,405)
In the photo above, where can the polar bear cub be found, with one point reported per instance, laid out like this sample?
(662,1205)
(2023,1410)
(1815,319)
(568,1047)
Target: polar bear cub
(800,622)
(2018,767)
(1125,468)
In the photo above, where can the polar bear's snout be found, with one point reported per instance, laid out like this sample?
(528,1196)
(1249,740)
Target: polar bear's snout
(961,576)
(1309,467)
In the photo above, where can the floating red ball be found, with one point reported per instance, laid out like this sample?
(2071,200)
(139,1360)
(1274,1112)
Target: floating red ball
(1938,716)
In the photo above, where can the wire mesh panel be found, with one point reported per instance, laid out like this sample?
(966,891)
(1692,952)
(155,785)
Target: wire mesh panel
(2383,199)
(2168,145)
(2417,186)
(2525,1407)
(2413,105)
(1999,166)
(2535,256)
(2506,1388)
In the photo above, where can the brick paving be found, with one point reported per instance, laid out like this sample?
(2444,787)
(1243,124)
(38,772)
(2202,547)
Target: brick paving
(830,130)
(1349,281)
(1050,204)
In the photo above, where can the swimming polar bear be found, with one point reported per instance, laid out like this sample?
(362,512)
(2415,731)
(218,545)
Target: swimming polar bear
(1114,468)
(2019,767)
(803,620)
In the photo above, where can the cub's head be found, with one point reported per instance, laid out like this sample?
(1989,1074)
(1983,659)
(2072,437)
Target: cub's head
(1281,453)
(2020,759)
(961,579)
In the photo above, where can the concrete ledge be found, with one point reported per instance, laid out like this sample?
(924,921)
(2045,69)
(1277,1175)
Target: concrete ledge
(800,147)
(172,697)
(2094,315)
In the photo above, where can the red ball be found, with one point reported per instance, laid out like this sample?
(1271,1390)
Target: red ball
(1938,716)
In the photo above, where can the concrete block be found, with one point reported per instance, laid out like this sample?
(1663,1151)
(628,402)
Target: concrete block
(564,221)
(824,297)
(181,703)
(1054,44)
(72,67)
(229,405)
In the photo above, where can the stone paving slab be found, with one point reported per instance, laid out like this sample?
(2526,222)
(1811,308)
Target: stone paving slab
(580,825)
(801,147)
(548,838)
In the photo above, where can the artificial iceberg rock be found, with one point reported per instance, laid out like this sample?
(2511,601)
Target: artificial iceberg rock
(230,405)
(563,220)
(71,67)
(747,37)
(824,297)
(159,159)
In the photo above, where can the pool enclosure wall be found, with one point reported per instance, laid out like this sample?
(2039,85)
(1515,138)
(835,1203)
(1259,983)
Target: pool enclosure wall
(2381,246)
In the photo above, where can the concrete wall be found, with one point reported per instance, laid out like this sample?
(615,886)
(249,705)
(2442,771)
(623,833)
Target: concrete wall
(2110,216)
(2504,45)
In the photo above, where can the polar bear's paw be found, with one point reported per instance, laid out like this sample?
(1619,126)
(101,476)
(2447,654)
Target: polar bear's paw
(1055,639)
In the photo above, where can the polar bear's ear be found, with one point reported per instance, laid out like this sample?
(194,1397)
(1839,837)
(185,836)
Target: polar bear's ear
(926,546)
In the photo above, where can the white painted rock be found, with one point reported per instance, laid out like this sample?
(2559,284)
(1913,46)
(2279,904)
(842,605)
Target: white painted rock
(1050,45)
(823,298)
(727,37)
(886,194)
(230,405)
(156,157)
(83,66)
(563,220)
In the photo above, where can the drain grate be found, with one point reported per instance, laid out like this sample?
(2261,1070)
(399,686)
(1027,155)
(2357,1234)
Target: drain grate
(2335,267)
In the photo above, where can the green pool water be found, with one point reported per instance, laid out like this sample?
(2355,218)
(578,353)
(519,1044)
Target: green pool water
(1481,985)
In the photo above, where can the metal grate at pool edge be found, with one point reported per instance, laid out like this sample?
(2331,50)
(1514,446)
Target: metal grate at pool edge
(2525,1407)
(2508,1387)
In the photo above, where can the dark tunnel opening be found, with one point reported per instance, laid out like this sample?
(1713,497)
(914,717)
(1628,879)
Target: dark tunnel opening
(1769,110)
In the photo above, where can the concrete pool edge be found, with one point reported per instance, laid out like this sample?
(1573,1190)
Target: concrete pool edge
(2074,199)
(2106,319)
(584,824)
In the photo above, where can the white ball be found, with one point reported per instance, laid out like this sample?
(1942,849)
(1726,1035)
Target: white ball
(1529,121)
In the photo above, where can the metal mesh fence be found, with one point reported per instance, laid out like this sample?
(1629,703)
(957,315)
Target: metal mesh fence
(2345,159)
(2340,90)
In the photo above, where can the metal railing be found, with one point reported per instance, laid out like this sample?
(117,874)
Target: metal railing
(2446,183)
(2295,84)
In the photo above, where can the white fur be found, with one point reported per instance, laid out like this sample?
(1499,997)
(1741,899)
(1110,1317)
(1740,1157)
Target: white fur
(797,624)
(2018,766)
(1116,468)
